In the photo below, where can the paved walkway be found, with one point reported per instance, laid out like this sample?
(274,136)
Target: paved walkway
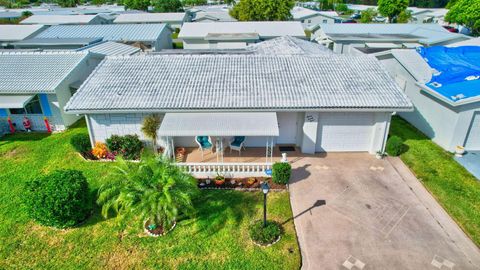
(353,211)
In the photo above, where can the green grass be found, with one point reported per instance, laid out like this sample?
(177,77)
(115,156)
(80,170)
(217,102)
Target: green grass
(216,238)
(452,185)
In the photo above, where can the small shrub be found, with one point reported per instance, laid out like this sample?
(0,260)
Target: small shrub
(131,147)
(60,199)
(395,146)
(266,235)
(100,150)
(81,143)
(114,143)
(281,172)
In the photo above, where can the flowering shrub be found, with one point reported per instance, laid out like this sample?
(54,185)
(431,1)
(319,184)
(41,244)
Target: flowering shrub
(128,146)
(100,150)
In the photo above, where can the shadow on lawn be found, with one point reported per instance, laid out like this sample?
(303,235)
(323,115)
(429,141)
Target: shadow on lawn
(220,208)
(17,137)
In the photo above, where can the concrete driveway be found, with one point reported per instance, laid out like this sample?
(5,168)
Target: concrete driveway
(352,211)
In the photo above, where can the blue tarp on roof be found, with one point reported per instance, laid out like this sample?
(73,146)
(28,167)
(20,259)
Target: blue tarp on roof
(458,70)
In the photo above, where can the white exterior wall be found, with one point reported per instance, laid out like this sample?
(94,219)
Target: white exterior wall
(102,126)
(446,125)
(315,20)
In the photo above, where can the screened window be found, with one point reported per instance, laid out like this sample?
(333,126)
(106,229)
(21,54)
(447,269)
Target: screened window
(32,107)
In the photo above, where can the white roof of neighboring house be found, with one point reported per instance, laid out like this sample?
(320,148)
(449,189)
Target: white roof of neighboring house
(435,12)
(468,42)
(232,82)
(300,13)
(151,18)
(218,16)
(424,33)
(18,32)
(111,48)
(414,64)
(35,72)
(112,32)
(263,29)
(360,7)
(58,19)
(288,45)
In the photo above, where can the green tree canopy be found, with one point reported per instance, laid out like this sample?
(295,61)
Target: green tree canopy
(368,15)
(168,6)
(392,8)
(134,4)
(467,13)
(404,16)
(262,10)
(68,3)
(194,2)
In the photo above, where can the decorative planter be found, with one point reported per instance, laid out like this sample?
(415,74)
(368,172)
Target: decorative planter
(267,245)
(459,151)
(219,182)
(153,234)
(180,151)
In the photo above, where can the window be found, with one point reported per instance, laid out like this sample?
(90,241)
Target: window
(303,21)
(325,21)
(309,21)
(32,107)
(73,91)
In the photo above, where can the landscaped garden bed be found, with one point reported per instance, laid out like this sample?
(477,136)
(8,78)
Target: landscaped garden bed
(250,183)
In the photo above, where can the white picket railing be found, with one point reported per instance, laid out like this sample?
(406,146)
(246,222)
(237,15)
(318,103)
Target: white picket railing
(229,170)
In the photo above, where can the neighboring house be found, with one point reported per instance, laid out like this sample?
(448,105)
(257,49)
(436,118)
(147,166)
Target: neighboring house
(55,43)
(147,36)
(428,15)
(14,33)
(297,95)
(10,16)
(444,86)
(65,19)
(213,16)
(235,35)
(109,48)
(39,84)
(175,20)
(310,18)
(370,38)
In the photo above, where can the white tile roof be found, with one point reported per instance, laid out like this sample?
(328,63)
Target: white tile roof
(232,82)
(111,48)
(35,72)
(58,19)
(263,29)
(217,16)
(151,18)
(112,32)
(468,42)
(18,32)
(288,45)
(219,124)
(300,13)
(414,64)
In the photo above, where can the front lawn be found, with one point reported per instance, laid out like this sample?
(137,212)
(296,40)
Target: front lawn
(217,238)
(452,185)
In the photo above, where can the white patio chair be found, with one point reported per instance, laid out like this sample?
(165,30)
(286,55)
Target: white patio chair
(237,144)
(204,143)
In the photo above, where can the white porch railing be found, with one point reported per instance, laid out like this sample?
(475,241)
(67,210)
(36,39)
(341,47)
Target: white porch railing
(229,170)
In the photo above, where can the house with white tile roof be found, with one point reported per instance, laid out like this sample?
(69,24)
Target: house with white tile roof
(309,17)
(65,19)
(235,35)
(298,96)
(38,85)
(174,19)
(13,33)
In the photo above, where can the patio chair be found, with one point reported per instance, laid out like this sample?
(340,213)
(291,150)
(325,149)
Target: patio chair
(204,143)
(237,143)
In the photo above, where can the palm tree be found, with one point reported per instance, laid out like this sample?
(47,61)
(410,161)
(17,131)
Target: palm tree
(154,190)
(149,128)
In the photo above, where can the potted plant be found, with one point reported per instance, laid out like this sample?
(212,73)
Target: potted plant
(180,151)
(459,151)
(208,181)
(251,181)
(219,179)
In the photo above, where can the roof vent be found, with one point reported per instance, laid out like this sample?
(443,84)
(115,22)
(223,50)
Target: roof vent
(436,84)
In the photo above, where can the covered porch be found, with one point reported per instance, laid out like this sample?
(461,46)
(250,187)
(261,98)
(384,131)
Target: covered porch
(215,135)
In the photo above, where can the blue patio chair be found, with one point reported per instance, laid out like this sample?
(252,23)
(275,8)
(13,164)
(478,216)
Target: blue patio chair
(204,143)
(237,143)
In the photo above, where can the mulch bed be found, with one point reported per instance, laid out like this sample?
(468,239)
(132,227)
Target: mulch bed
(241,184)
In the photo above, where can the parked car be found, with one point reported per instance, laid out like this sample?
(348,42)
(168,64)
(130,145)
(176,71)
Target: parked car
(379,19)
(451,28)
(356,16)
(348,21)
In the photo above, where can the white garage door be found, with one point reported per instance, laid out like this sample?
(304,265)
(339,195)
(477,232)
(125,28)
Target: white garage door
(473,139)
(287,127)
(344,132)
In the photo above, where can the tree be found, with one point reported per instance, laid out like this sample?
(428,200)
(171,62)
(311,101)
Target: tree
(392,8)
(155,190)
(194,2)
(168,6)
(404,16)
(68,3)
(262,10)
(467,13)
(368,15)
(136,4)
(149,128)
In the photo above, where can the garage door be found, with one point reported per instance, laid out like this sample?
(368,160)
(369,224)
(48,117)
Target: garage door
(344,132)
(473,139)
(287,127)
